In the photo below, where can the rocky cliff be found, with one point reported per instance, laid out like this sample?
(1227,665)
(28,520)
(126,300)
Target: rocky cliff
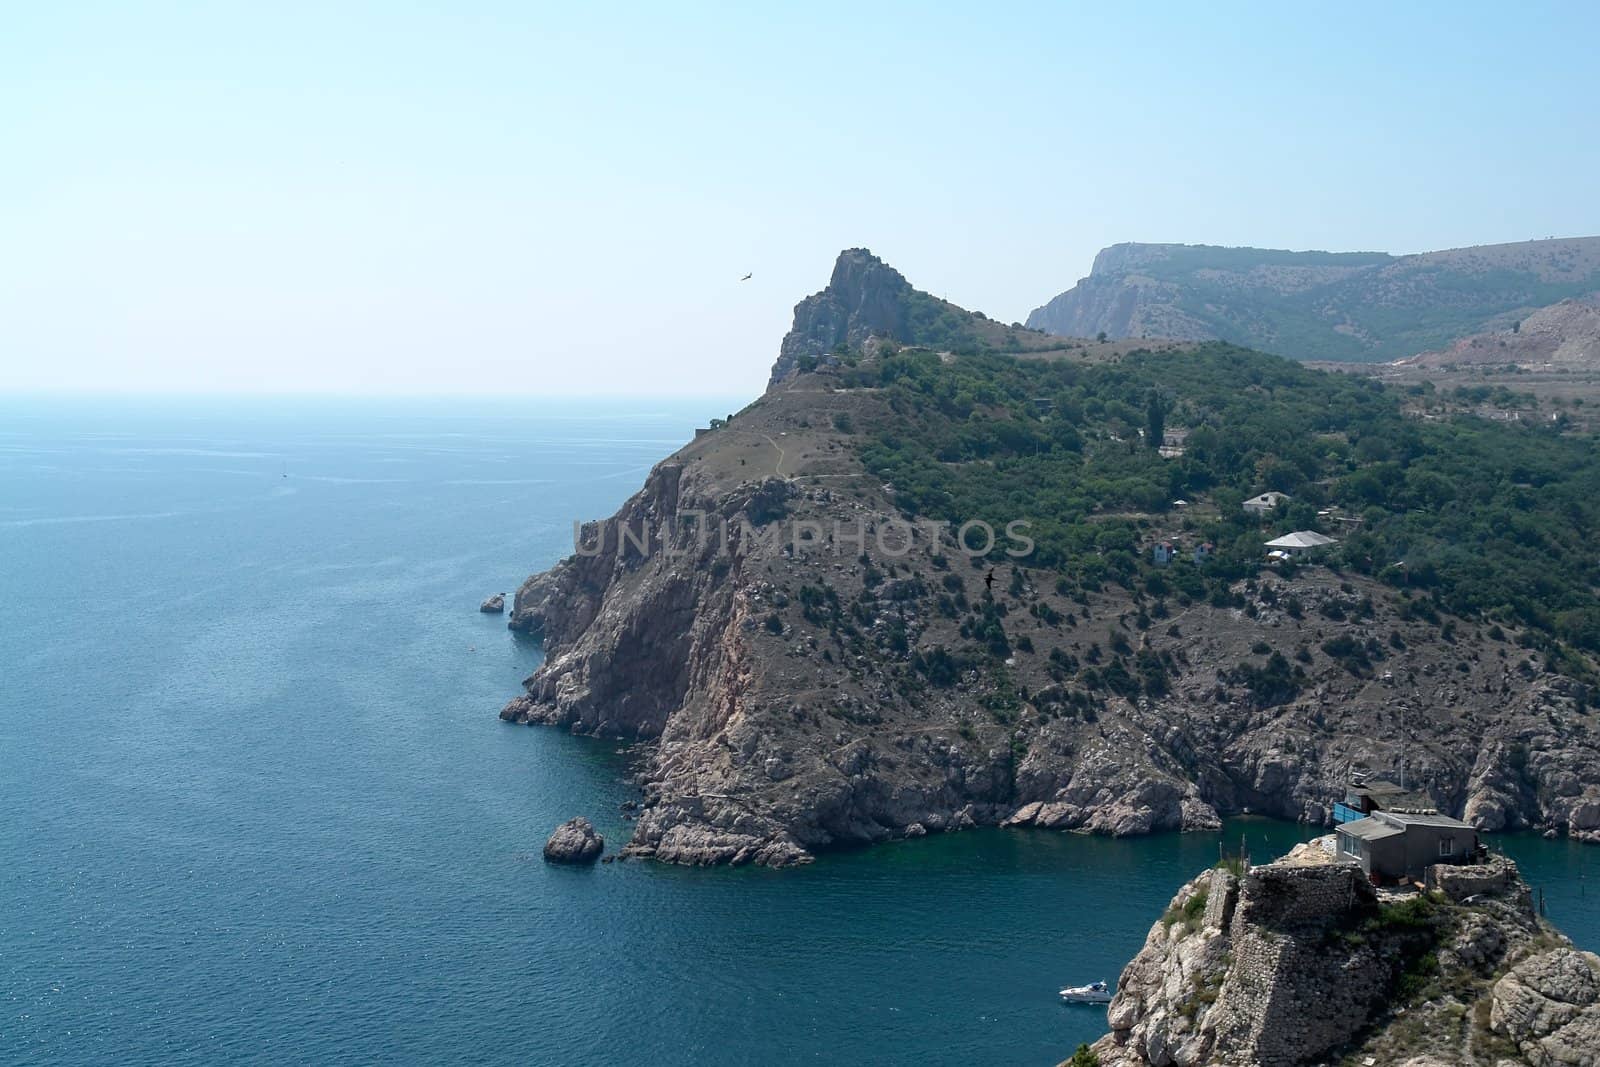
(1361,306)
(868,302)
(864,298)
(1302,962)
(801,683)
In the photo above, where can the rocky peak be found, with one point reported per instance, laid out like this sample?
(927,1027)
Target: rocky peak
(864,298)
(857,272)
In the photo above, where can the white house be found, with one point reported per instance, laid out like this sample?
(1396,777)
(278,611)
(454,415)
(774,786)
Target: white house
(1299,543)
(1268,501)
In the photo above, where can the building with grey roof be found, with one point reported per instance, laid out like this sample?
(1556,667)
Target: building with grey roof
(1301,541)
(1394,846)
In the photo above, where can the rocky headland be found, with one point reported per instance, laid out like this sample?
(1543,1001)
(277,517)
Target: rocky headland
(795,688)
(1302,962)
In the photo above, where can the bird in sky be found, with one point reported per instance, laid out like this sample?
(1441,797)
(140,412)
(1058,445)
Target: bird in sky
(747,277)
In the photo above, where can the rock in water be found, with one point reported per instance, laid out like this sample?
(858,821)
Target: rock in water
(495,605)
(574,842)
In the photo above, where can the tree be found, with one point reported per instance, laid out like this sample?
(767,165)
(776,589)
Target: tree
(1155,419)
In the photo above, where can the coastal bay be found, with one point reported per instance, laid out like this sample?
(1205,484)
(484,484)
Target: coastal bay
(262,808)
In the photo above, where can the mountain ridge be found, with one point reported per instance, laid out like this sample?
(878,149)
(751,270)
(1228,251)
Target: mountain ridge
(1338,306)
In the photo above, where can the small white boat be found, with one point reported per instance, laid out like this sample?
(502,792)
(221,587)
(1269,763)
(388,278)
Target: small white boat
(1093,993)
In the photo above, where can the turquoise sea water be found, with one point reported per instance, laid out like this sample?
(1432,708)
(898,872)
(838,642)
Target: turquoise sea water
(255,804)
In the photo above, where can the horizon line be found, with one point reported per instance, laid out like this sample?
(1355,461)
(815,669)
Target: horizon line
(48,393)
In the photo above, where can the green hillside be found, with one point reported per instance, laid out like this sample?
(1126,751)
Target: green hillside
(1467,516)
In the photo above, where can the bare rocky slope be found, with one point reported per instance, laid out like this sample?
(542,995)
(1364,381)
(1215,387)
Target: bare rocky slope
(1563,337)
(711,633)
(1301,962)
(1357,306)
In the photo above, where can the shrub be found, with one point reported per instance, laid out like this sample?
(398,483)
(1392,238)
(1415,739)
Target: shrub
(1189,913)
(1350,653)
(1271,684)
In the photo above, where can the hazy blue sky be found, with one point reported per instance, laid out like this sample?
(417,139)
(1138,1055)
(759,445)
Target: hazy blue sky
(513,198)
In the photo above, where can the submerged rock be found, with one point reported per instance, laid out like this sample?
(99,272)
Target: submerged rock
(574,842)
(494,605)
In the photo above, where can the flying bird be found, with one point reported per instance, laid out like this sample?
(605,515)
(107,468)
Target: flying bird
(747,277)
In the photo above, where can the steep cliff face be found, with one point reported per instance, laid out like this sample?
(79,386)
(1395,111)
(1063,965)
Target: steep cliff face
(1361,306)
(762,750)
(1301,962)
(759,754)
(748,615)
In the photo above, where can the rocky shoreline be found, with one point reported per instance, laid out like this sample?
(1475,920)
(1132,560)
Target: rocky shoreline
(770,737)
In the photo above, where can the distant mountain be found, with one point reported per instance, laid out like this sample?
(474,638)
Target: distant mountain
(1350,306)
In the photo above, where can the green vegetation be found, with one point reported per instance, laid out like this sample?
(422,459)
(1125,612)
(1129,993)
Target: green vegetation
(1084,1057)
(1207,987)
(1469,517)
(1189,914)
(1418,913)
(1415,927)
(928,322)
(1271,684)
(1155,420)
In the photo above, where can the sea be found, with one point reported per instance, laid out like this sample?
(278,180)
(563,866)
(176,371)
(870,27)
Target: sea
(256,805)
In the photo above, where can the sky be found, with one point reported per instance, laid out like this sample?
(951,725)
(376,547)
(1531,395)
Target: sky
(519,198)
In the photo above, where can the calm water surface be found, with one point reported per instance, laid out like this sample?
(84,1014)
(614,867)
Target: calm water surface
(257,805)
